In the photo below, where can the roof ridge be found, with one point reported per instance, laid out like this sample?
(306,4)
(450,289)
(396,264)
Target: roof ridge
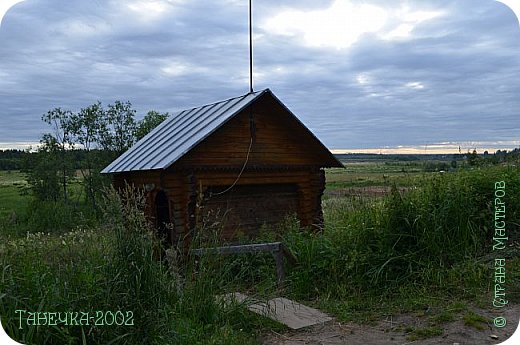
(221,101)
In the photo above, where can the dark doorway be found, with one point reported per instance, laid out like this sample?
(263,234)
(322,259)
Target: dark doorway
(162,217)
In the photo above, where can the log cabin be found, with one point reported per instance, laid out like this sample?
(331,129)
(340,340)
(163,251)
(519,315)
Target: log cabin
(243,163)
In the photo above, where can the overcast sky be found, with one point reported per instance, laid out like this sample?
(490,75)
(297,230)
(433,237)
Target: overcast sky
(359,74)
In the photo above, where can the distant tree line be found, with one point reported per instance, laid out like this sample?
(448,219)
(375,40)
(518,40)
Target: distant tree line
(500,156)
(11,159)
(77,147)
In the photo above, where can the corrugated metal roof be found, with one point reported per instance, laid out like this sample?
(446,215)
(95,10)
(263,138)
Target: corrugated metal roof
(178,134)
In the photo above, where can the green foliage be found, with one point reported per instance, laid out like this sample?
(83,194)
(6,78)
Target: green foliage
(87,127)
(53,170)
(438,166)
(57,217)
(140,282)
(473,158)
(117,131)
(11,159)
(60,122)
(424,333)
(42,175)
(51,273)
(77,148)
(49,172)
(13,205)
(408,238)
(119,267)
(443,317)
(151,120)
(91,129)
(476,321)
(375,256)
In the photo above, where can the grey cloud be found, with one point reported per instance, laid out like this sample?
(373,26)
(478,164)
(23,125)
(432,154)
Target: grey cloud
(73,53)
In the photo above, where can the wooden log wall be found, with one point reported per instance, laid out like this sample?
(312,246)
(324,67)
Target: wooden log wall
(306,202)
(190,191)
(278,140)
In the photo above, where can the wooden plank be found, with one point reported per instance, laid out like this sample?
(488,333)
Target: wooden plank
(292,314)
(245,248)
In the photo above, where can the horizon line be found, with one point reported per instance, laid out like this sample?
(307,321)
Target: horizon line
(436,148)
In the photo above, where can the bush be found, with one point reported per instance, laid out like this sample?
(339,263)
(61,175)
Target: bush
(57,216)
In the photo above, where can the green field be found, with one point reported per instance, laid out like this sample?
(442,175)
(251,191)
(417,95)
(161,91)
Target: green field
(367,174)
(12,203)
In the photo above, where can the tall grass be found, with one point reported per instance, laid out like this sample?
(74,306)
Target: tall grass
(138,281)
(52,273)
(414,238)
(118,267)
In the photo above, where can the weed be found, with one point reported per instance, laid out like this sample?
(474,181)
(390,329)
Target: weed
(458,307)
(424,333)
(443,317)
(474,320)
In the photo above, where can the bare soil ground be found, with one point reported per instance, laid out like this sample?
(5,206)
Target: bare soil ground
(396,330)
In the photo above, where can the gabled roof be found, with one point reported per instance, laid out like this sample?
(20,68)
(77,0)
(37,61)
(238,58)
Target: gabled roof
(181,132)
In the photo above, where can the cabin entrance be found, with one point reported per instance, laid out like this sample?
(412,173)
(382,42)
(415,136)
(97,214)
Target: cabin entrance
(244,209)
(162,217)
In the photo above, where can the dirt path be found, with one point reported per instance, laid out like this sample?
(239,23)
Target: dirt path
(394,331)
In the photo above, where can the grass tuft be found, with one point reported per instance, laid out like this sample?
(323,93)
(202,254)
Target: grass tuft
(476,321)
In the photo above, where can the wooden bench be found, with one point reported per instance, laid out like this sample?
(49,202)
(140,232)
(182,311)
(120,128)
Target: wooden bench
(278,249)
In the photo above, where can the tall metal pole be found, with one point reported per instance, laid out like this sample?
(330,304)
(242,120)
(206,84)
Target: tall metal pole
(250,48)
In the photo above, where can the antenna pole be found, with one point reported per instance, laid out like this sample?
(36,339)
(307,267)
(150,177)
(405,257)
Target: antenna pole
(250,48)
